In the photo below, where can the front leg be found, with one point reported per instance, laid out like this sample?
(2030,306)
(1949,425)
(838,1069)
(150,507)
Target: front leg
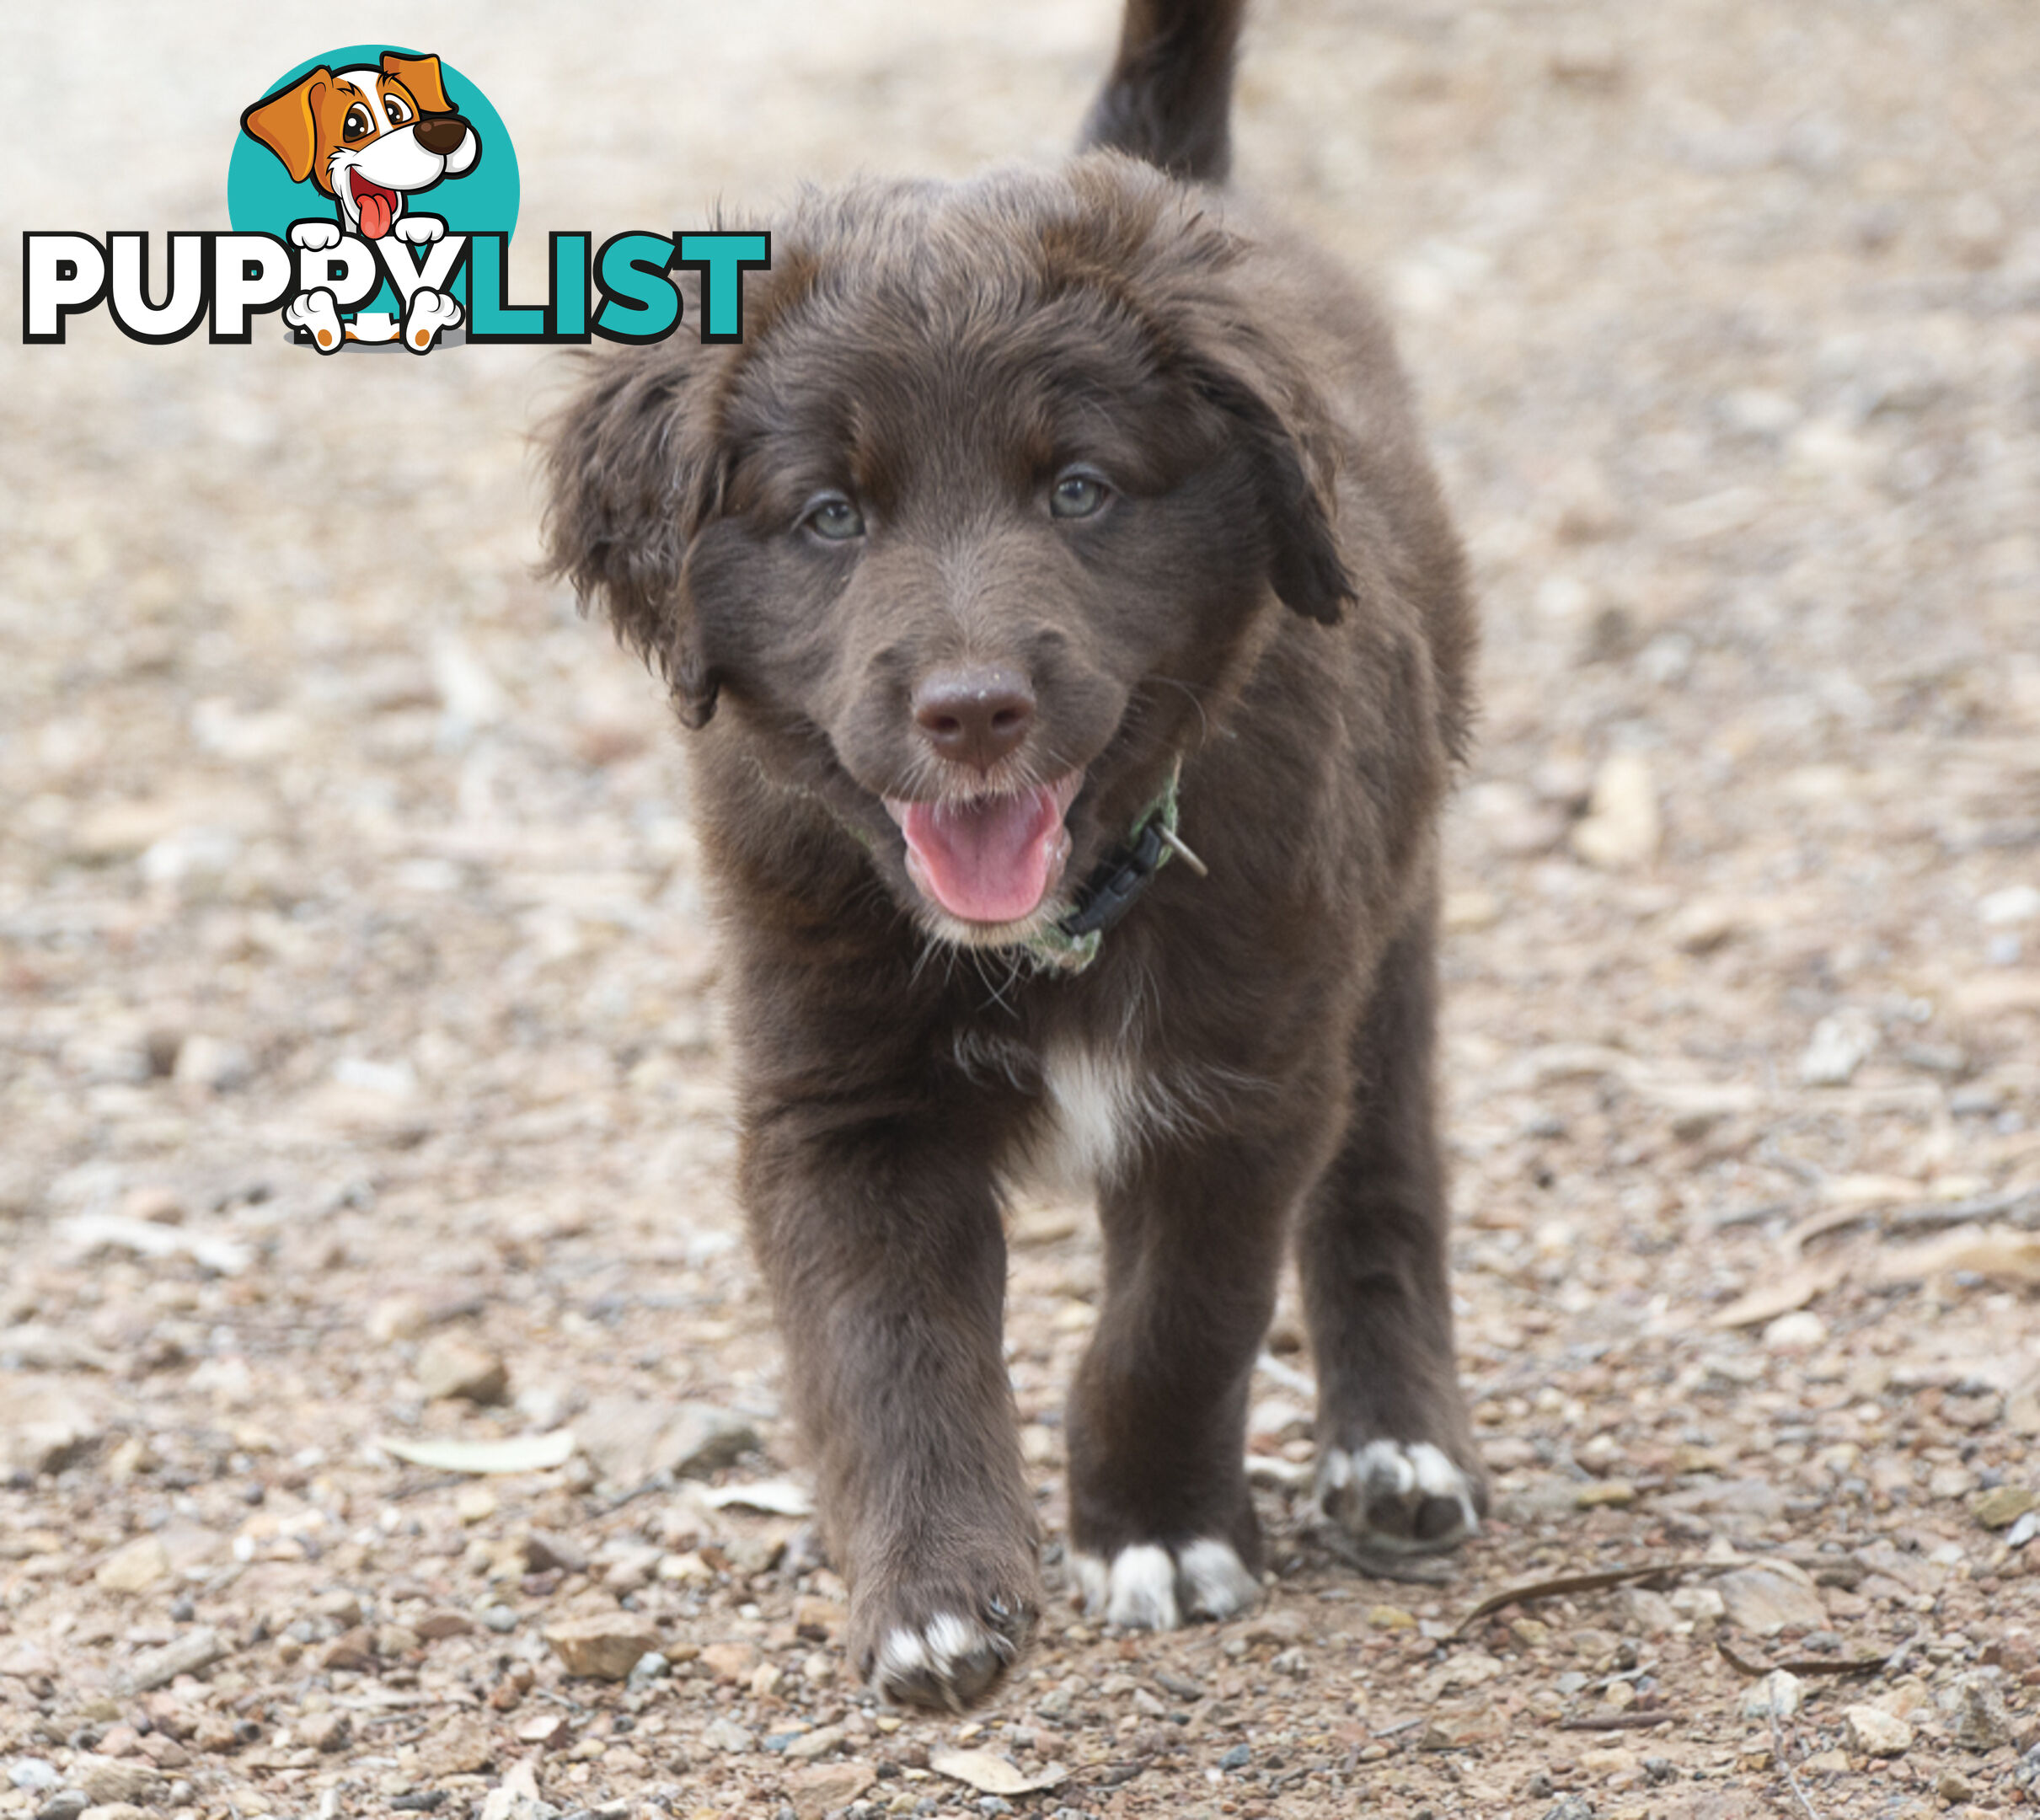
(882,1244)
(1161,1523)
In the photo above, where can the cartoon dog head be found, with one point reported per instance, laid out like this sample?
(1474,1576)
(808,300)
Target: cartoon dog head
(367,137)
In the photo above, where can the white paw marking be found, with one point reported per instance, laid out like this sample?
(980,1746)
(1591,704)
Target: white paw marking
(315,236)
(421,230)
(1218,1581)
(314,311)
(950,1660)
(1146,1589)
(429,312)
(1352,1484)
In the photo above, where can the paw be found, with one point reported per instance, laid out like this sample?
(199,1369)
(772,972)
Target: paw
(431,311)
(314,312)
(941,1652)
(315,236)
(1400,1497)
(1147,1587)
(420,230)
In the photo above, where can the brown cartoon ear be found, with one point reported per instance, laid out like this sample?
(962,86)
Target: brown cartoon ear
(420,75)
(284,123)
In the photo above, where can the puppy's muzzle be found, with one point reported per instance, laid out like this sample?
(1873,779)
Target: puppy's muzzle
(974,716)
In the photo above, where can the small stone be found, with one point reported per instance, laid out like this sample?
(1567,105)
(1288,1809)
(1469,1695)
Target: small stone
(1774,1597)
(544,1729)
(822,1788)
(450,1366)
(730,1662)
(66,1804)
(325,1732)
(109,1779)
(1840,1045)
(402,1316)
(134,1567)
(2002,1506)
(212,1064)
(1621,827)
(1952,1785)
(1778,1692)
(1801,1331)
(438,1625)
(458,1746)
(629,1440)
(1456,1731)
(819,1742)
(474,1503)
(45,1427)
(726,1735)
(1605,1492)
(1982,1721)
(1390,1617)
(353,1650)
(1237,1758)
(1871,1731)
(606,1648)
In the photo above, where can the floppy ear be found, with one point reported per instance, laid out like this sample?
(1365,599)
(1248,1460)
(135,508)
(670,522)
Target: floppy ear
(634,471)
(1287,434)
(283,122)
(420,75)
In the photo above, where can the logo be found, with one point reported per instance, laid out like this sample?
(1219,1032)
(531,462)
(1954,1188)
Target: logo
(372,192)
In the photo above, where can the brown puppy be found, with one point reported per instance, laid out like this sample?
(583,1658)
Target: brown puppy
(1042,527)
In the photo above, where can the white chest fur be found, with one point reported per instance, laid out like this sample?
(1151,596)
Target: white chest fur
(1098,1111)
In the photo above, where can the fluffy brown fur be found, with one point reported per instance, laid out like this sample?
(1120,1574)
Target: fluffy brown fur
(1267,595)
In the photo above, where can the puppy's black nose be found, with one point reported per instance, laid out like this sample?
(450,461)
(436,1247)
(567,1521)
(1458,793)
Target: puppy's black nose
(973,716)
(441,134)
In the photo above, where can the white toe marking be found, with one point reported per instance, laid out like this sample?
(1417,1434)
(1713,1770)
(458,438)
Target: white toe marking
(1217,1579)
(1143,1589)
(910,1659)
(901,1655)
(1395,1470)
(1384,1466)
(1435,1475)
(1094,1581)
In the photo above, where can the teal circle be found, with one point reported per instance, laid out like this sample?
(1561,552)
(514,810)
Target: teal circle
(261,198)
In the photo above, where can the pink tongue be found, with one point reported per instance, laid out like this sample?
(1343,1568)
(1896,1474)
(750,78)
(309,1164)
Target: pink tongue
(988,861)
(376,212)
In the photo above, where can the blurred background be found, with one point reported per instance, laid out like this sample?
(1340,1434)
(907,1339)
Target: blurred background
(355,993)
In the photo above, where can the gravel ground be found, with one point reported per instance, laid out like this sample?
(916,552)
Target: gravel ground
(359,1069)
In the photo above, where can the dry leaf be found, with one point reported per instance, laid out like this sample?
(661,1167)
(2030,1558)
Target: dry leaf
(521,1454)
(993,1775)
(1781,1296)
(775,1497)
(2001,1253)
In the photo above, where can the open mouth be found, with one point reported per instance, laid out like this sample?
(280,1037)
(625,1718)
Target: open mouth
(988,858)
(377,205)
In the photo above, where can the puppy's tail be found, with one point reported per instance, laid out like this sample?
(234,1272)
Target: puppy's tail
(1170,95)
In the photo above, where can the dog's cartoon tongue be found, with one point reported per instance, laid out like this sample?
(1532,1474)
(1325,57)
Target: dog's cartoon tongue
(378,207)
(993,859)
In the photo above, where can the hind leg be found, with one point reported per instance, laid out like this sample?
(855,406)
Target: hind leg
(1397,1467)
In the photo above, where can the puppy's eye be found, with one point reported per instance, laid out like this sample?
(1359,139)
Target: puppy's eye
(834,518)
(1077,495)
(394,106)
(358,124)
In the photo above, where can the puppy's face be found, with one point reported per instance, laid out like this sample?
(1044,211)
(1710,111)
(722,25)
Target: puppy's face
(976,528)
